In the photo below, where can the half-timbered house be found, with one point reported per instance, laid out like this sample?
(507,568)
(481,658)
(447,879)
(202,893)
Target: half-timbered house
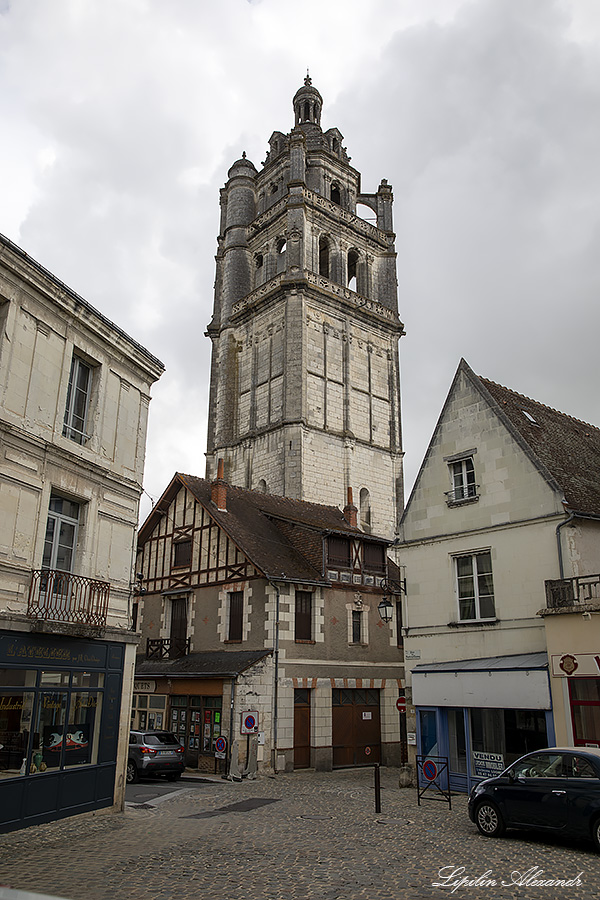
(260,614)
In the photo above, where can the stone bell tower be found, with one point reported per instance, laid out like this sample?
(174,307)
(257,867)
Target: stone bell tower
(305,388)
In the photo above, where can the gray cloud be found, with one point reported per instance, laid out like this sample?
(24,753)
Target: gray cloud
(123,118)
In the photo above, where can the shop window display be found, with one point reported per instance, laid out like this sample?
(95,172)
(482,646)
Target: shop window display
(51,725)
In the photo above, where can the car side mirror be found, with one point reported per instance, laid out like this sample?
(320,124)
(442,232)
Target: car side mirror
(511,776)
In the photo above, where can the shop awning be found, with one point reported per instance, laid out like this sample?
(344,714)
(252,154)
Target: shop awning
(519,681)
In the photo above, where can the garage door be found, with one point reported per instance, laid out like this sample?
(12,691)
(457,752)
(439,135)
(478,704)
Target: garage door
(356,727)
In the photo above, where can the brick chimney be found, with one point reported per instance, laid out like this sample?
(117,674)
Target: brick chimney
(218,489)
(350,511)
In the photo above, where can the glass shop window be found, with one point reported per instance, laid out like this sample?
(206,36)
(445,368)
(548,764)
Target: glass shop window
(16,710)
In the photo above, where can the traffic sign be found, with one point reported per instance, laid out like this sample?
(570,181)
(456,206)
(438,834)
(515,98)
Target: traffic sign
(221,747)
(401,704)
(429,770)
(249,722)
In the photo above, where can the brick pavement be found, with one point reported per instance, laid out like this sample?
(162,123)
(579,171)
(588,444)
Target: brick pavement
(320,838)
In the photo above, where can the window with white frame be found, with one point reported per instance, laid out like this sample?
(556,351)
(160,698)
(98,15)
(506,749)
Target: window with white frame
(78,401)
(475,586)
(61,534)
(462,475)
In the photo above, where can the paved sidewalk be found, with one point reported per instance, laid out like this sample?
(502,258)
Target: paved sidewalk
(299,836)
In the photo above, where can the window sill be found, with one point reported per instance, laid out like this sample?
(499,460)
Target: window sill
(303,641)
(474,623)
(464,502)
(357,644)
(233,641)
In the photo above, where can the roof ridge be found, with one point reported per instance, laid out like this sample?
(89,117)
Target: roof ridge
(236,487)
(539,403)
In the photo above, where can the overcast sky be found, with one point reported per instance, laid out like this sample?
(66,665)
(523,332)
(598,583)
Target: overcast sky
(120,119)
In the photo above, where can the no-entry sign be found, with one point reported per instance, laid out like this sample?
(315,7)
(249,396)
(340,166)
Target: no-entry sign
(401,704)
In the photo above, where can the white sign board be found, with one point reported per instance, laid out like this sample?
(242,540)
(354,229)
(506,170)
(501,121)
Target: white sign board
(144,687)
(486,765)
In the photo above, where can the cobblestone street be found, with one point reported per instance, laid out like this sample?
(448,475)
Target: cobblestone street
(303,835)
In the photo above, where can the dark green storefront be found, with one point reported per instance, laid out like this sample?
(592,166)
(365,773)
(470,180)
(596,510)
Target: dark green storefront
(60,701)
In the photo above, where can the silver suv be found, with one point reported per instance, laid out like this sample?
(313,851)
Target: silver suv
(154,753)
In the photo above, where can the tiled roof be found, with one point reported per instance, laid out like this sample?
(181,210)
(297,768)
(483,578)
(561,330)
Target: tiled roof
(255,520)
(566,448)
(221,663)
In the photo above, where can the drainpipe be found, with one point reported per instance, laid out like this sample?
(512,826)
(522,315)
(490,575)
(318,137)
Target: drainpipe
(275,675)
(561,568)
(231,722)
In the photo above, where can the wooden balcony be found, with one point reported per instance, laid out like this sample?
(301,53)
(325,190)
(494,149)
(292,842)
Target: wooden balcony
(563,593)
(64,597)
(167,648)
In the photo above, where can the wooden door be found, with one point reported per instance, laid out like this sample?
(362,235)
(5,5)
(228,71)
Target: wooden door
(301,728)
(178,626)
(356,727)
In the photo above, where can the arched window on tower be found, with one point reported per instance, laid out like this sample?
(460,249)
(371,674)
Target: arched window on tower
(365,509)
(306,111)
(335,194)
(352,269)
(281,247)
(261,487)
(324,257)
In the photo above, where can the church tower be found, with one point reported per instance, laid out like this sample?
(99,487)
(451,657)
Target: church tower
(305,386)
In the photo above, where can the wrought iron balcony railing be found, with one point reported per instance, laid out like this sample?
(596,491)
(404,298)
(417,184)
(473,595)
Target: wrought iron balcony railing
(63,597)
(564,592)
(167,648)
(462,494)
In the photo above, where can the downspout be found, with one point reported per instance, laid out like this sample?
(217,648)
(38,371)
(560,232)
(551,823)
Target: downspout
(275,675)
(231,704)
(561,568)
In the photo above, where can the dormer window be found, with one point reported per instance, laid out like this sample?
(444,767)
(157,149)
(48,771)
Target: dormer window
(462,479)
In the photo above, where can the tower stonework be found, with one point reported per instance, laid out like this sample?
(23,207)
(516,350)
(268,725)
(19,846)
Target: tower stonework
(305,386)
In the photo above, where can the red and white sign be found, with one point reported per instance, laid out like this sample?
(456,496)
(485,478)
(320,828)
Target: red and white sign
(576,665)
(401,704)
(249,721)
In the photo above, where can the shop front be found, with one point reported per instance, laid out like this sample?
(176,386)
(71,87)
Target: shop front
(482,714)
(190,708)
(60,702)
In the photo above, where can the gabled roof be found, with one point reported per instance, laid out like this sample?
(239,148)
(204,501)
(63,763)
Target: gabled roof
(263,527)
(567,448)
(566,451)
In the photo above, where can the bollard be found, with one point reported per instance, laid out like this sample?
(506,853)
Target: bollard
(377,789)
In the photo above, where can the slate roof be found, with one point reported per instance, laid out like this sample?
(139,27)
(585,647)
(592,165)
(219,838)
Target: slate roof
(212,663)
(280,536)
(567,450)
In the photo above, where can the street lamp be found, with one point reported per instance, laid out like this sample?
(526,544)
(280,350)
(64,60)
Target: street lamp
(386,610)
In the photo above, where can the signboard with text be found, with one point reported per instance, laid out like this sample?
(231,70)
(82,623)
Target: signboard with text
(486,765)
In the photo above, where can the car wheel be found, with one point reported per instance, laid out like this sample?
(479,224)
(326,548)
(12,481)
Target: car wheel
(489,820)
(131,775)
(173,776)
(596,833)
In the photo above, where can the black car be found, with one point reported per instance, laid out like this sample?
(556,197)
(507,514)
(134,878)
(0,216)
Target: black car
(154,753)
(555,790)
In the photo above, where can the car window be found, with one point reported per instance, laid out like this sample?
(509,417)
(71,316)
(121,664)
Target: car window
(133,738)
(160,737)
(579,767)
(543,765)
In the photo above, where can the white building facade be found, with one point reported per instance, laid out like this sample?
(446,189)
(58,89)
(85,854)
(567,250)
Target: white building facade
(74,397)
